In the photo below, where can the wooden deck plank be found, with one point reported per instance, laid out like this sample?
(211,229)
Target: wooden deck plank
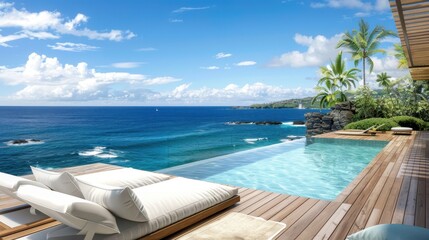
(318,222)
(294,230)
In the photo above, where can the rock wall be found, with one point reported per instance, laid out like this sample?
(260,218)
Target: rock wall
(340,116)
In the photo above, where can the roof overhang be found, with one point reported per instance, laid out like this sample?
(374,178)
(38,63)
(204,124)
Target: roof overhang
(412,21)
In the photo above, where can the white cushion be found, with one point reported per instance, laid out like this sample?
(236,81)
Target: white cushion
(124,177)
(166,203)
(9,184)
(120,201)
(62,182)
(180,197)
(73,211)
(402,129)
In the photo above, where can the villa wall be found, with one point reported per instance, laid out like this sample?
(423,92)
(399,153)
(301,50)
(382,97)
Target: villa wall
(340,116)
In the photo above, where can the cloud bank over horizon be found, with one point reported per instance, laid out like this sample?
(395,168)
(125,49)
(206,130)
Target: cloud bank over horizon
(46,79)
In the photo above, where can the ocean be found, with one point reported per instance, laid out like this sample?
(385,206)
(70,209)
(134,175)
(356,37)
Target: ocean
(148,138)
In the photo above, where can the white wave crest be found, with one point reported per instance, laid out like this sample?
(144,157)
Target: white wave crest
(254,140)
(290,124)
(100,152)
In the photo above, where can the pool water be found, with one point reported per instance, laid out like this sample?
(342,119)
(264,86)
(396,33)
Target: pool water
(315,168)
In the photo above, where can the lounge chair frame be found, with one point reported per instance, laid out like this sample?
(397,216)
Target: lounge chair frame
(25,230)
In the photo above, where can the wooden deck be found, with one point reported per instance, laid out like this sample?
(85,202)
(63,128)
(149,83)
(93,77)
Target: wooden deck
(393,188)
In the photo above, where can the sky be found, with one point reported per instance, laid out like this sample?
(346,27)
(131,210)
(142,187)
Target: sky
(175,53)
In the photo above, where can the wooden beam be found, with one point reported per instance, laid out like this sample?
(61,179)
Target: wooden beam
(404,30)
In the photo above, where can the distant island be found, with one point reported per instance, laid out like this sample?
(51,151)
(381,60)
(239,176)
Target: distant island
(290,103)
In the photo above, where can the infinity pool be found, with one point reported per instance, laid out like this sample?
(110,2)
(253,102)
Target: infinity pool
(315,168)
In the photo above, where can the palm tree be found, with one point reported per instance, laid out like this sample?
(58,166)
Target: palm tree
(384,80)
(336,79)
(364,43)
(400,55)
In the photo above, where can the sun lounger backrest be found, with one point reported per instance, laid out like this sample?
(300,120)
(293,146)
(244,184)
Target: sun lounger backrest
(88,217)
(9,184)
(62,182)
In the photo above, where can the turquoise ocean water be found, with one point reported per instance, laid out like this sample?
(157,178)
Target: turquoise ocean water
(149,138)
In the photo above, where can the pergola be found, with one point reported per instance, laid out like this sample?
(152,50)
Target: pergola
(412,21)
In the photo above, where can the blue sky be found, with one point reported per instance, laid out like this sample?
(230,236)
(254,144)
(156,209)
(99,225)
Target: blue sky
(226,52)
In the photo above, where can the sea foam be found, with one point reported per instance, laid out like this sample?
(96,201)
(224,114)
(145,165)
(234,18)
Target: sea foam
(100,152)
(290,124)
(254,140)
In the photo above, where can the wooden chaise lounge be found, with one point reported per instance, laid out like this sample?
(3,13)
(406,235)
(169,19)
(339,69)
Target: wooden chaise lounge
(49,224)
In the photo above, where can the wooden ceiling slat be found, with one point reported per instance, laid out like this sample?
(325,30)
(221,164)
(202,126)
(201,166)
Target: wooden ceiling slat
(412,21)
(415,6)
(404,2)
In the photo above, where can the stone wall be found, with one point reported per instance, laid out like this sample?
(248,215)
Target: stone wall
(340,116)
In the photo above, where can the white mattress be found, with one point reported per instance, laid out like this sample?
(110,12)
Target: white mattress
(124,177)
(402,129)
(165,202)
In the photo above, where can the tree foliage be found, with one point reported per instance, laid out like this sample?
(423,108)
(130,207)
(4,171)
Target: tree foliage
(364,43)
(335,81)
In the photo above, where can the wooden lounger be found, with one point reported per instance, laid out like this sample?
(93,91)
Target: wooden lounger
(356,133)
(161,233)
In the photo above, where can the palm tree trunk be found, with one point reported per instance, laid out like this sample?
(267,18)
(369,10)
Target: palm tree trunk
(363,72)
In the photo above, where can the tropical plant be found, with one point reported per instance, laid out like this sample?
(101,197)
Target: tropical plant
(364,43)
(336,79)
(400,55)
(366,106)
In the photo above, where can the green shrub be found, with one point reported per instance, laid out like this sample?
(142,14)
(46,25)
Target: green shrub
(412,122)
(367,123)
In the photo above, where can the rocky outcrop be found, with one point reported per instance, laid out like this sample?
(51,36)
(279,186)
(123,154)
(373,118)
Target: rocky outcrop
(340,116)
(24,141)
(298,122)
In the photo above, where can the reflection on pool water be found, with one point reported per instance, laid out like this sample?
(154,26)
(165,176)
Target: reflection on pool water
(315,168)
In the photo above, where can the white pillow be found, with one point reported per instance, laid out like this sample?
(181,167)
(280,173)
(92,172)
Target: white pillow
(75,212)
(62,182)
(120,201)
(9,184)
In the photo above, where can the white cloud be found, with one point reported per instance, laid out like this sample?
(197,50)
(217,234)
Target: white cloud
(45,78)
(161,80)
(391,40)
(25,34)
(148,49)
(233,94)
(46,24)
(210,68)
(127,64)
(320,50)
(223,55)
(382,5)
(176,20)
(5,5)
(379,5)
(362,14)
(187,9)
(246,63)
(72,47)
(388,64)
